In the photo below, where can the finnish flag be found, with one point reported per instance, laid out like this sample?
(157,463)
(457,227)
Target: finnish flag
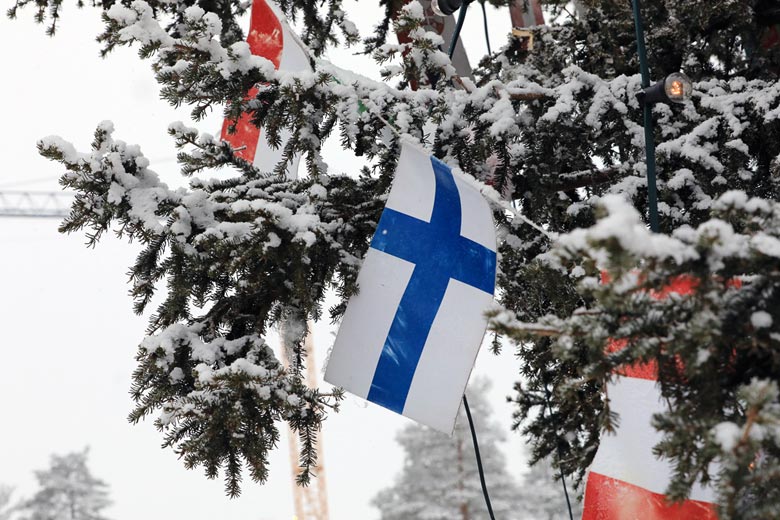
(409,339)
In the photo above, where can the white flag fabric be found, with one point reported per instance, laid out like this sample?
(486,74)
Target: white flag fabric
(409,339)
(270,37)
(626,480)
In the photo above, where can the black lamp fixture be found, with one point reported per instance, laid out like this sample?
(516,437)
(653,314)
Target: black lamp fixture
(446,7)
(676,88)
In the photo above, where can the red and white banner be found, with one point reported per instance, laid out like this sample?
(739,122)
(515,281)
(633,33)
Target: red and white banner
(526,13)
(269,37)
(626,481)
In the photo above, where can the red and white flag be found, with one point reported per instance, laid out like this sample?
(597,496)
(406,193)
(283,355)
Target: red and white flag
(526,13)
(626,481)
(269,37)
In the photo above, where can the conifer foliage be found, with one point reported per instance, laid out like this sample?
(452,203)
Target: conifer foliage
(541,495)
(5,502)
(557,130)
(439,479)
(68,491)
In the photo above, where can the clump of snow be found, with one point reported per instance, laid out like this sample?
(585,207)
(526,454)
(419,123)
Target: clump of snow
(761,320)
(624,224)
(727,435)
(194,13)
(414,10)
(318,191)
(765,244)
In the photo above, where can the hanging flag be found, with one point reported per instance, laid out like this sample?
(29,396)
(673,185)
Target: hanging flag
(269,37)
(526,13)
(626,481)
(409,338)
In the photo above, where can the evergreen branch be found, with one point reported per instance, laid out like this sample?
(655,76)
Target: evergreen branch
(587,178)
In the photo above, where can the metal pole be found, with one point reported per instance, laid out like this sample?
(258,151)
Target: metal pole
(652,192)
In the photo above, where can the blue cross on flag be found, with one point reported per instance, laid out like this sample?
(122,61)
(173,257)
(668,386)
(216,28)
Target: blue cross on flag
(409,339)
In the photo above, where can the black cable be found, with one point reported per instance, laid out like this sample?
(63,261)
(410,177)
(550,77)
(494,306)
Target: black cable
(484,19)
(479,458)
(560,453)
(458,27)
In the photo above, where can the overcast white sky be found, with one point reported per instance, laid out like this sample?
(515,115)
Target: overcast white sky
(68,332)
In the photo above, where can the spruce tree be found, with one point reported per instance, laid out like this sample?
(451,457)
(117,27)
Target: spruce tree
(541,495)
(555,129)
(68,491)
(5,502)
(439,478)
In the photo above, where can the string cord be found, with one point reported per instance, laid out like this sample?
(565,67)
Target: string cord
(484,20)
(479,458)
(560,453)
(458,27)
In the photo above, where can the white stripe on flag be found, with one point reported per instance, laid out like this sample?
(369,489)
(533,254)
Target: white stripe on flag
(414,185)
(266,158)
(479,226)
(368,317)
(627,455)
(455,336)
(294,57)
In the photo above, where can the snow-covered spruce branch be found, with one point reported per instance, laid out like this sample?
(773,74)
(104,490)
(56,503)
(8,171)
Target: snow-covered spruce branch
(197,69)
(322,20)
(238,256)
(730,320)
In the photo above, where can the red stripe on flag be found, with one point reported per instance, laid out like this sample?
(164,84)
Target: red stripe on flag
(639,370)
(266,36)
(678,285)
(608,498)
(612,499)
(266,39)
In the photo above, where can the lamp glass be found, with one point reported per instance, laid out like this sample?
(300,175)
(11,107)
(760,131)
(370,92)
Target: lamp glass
(678,87)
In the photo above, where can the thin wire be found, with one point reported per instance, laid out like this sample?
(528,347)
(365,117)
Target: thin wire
(560,453)
(479,458)
(453,43)
(484,19)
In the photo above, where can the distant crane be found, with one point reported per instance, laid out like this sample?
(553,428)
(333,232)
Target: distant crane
(311,502)
(35,204)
